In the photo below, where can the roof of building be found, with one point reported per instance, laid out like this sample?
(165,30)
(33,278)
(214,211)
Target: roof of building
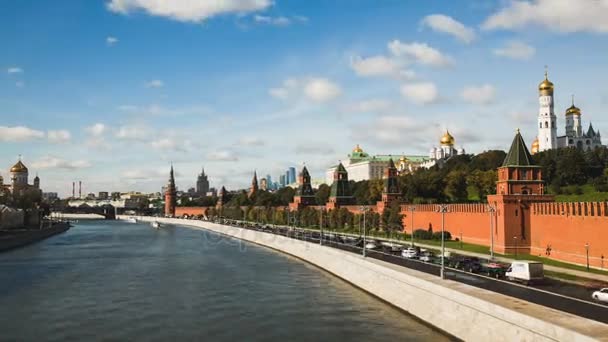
(518,153)
(383,158)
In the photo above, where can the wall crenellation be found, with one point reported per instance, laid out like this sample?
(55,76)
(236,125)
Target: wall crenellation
(571,208)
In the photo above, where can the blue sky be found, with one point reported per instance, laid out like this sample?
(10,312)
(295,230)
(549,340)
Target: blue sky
(109,92)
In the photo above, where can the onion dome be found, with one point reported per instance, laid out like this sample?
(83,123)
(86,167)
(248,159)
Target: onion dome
(545,87)
(535,146)
(19,167)
(447,139)
(573,110)
(357,149)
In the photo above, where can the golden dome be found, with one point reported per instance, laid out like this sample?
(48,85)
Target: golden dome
(535,146)
(402,159)
(573,110)
(357,149)
(19,167)
(545,87)
(447,139)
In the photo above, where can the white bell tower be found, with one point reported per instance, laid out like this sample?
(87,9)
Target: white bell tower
(547,128)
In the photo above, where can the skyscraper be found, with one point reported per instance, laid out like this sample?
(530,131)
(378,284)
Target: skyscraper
(287,177)
(202,184)
(292,175)
(282,181)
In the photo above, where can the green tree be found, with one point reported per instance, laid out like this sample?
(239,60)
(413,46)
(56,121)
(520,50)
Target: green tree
(322,195)
(456,186)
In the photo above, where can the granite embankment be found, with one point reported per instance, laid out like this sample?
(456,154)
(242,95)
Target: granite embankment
(15,238)
(463,311)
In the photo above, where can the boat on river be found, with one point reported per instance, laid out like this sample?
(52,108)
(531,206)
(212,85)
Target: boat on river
(156,224)
(132,220)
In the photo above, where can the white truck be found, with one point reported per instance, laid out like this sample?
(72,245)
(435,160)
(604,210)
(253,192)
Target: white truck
(525,271)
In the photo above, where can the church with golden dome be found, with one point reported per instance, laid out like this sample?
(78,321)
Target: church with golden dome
(446,150)
(19,186)
(574,135)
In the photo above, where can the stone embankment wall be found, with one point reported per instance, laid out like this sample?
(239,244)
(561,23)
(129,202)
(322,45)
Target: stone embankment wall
(463,311)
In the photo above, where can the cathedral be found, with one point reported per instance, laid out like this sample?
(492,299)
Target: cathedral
(575,136)
(18,186)
(446,150)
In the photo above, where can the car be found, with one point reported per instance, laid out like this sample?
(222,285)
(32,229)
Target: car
(526,272)
(493,269)
(427,256)
(468,264)
(410,253)
(601,295)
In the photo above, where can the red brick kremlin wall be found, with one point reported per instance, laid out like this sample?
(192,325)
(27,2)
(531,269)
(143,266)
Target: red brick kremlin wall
(190,211)
(561,230)
(470,220)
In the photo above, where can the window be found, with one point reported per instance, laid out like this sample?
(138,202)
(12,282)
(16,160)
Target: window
(516,212)
(546,124)
(540,125)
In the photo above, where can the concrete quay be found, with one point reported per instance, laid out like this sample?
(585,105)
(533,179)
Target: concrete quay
(463,311)
(20,237)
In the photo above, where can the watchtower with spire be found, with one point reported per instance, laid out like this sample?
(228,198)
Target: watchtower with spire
(170,195)
(340,190)
(304,196)
(254,185)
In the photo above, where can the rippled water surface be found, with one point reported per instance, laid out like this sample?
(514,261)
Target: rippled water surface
(120,281)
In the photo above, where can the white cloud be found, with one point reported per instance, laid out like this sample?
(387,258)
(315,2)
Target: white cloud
(380,66)
(154,84)
(222,155)
(19,84)
(554,15)
(168,144)
(420,93)
(188,10)
(96,130)
(277,21)
(445,24)
(251,141)
(132,132)
(316,89)
(14,70)
(321,90)
(50,162)
(516,50)
(59,136)
(420,53)
(318,150)
(19,134)
(479,95)
(110,41)
(368,106)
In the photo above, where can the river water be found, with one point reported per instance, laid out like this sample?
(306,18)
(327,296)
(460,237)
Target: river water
(105,280)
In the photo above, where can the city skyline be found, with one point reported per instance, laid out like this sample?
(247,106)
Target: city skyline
(276,84)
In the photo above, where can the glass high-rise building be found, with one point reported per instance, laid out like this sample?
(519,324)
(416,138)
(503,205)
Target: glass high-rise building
(292,175)
(282,181)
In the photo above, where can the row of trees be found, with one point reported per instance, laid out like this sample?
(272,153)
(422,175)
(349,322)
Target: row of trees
(341,219)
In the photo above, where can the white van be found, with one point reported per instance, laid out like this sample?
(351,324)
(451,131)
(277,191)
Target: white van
(525,271)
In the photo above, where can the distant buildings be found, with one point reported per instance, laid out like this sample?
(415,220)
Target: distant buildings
(19,186)
(362,166)
(292,175)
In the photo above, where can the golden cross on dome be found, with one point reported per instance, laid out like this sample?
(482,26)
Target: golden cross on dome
(573,99)
(546,71)
(19,157)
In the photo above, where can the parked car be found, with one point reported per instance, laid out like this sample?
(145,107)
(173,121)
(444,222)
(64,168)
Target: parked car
(526,272)
(409,253)
(601,295)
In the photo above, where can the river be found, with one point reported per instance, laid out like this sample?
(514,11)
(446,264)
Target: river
(110,280)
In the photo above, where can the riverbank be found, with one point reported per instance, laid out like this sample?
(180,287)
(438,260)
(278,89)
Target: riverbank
(463,311)
(16,238)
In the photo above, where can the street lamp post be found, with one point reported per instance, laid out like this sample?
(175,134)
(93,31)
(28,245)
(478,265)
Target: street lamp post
(443,208)
(412,209)
(321,227)
(515,239)
(363,209)
(492,210)
(587,250)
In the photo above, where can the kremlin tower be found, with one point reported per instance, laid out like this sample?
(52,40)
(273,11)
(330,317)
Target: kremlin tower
(170,196)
